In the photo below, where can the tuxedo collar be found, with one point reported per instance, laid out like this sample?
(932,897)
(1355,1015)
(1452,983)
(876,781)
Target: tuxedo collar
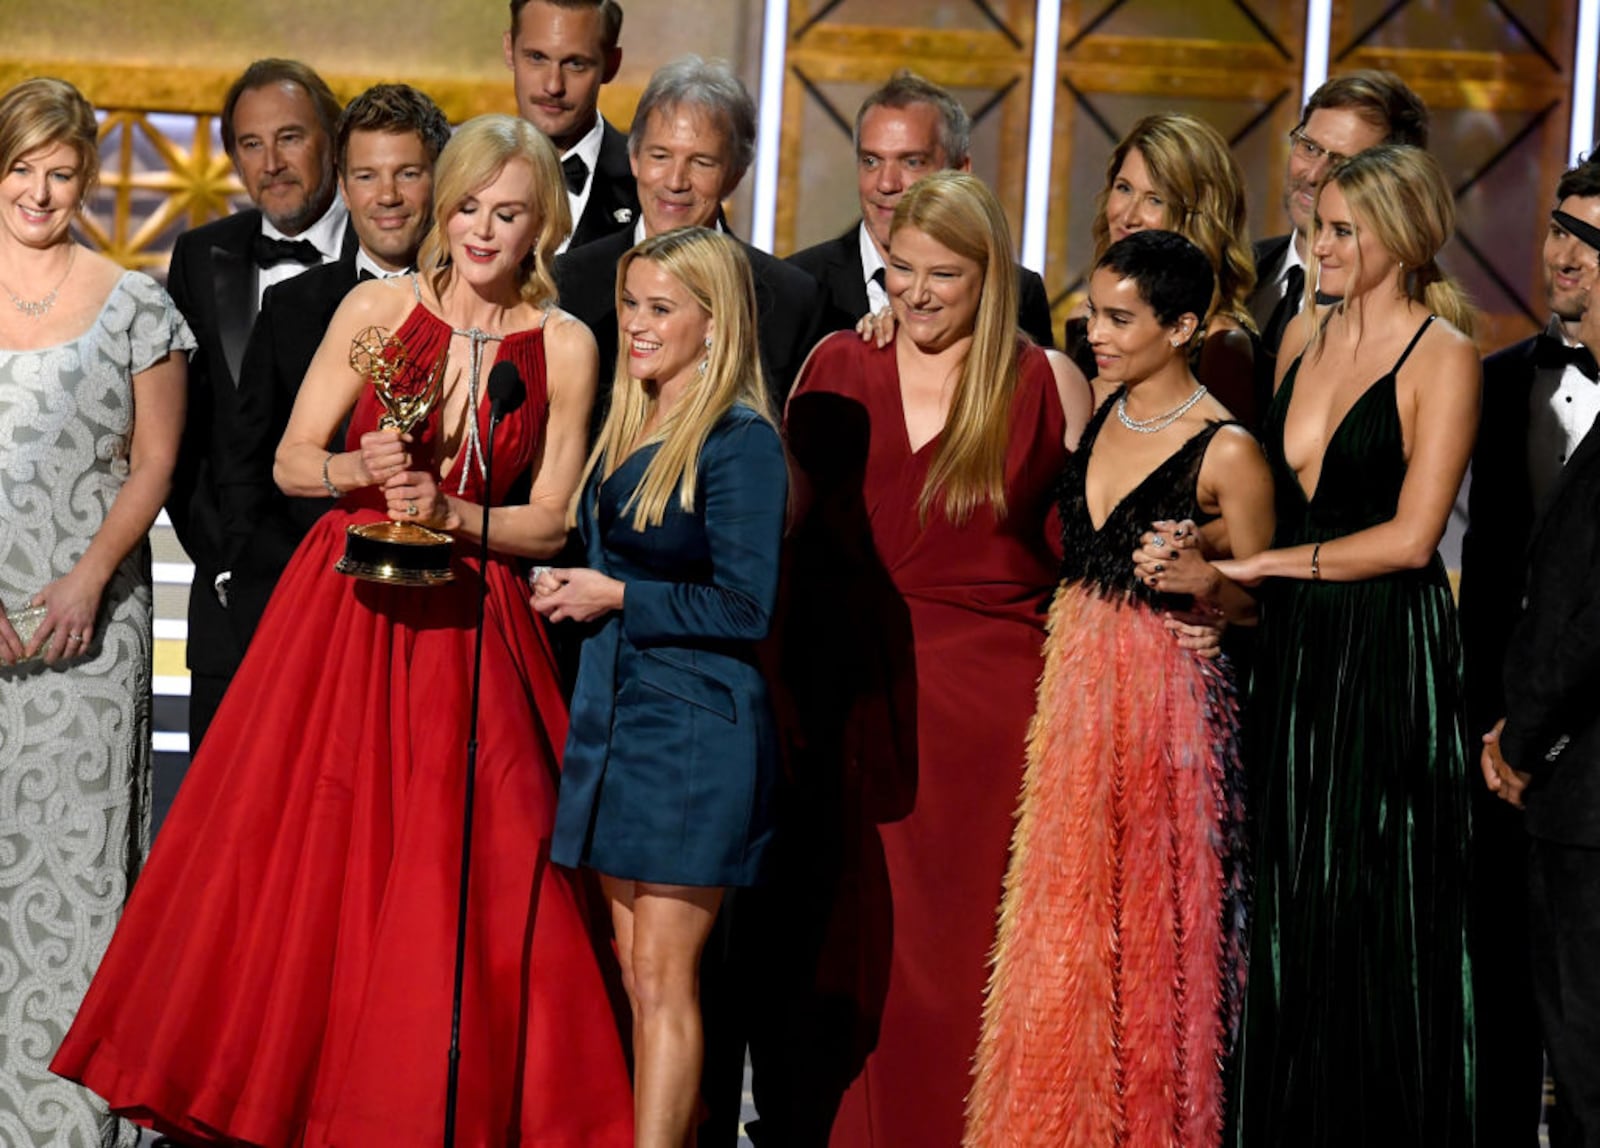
(326,234)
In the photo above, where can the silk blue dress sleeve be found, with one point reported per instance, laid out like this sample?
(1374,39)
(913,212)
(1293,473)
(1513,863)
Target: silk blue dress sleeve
(672,753)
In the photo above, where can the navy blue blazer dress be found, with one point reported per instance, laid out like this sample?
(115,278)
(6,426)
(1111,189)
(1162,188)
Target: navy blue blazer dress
(672,754)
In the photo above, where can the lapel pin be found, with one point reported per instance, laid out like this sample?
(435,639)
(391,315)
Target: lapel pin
(623,215)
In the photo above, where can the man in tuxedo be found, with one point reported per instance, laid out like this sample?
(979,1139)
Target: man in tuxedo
(385,146)
(560,52)
(277,127)
(692,140)
(904,130)
(1540,399)
(1346,115)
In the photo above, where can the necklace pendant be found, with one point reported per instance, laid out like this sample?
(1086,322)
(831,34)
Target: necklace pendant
(34,309)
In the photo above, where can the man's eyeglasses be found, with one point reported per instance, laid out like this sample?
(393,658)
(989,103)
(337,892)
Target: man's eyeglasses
(1311,151)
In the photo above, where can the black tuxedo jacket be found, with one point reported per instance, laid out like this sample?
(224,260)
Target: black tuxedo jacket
(611,193)
(1270,255)
(1552,664)
(790,309)
(1494,551)
(836,264)
(261,525)
(212,280)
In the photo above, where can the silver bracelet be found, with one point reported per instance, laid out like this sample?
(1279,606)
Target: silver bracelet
(333,490)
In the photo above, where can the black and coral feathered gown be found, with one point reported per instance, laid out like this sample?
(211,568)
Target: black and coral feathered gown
(1118,969)
(282,976)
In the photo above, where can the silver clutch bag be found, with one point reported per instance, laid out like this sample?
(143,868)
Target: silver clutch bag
(26,623)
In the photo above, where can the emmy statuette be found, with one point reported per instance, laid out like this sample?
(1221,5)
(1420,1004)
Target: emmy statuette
(396,553)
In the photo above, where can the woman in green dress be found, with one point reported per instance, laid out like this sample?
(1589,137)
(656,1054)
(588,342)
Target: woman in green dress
(1358,1015)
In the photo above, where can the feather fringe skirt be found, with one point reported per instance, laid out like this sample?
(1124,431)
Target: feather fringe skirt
(1118,968)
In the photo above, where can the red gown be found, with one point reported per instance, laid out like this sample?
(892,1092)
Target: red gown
(935,680)
(282,975)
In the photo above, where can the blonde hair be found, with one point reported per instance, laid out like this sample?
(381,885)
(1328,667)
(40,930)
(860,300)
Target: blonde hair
(1400,195)
(477,153)
(1193,170)
(959,211)
(41,112)
(713,269)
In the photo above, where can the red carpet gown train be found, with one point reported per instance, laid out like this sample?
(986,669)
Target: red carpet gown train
(282,976)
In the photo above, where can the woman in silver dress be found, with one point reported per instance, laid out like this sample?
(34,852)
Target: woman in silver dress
(92,373)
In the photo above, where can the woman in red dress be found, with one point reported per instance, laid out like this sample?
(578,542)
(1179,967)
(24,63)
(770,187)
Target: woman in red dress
(282,976)
(923,566)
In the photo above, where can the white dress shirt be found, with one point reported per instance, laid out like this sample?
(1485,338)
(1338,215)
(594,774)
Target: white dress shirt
(1291,260)
(588,150)
(368,264)
(326,235)
(639,235)
(871,263)
(1562,405)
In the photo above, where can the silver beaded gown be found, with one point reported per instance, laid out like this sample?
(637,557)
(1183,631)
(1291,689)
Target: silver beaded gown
(74,738)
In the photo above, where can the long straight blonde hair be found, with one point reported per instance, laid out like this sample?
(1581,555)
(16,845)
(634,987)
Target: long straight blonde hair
(715,271)
(968,469)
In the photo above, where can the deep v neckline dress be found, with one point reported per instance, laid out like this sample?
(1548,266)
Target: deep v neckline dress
(1358,1017)
(1119,966)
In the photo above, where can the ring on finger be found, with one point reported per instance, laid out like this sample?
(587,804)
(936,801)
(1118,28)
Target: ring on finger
(1157,541)
(411,509)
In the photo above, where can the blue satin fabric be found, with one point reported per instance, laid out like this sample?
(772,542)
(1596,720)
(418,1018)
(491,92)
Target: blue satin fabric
(672,753)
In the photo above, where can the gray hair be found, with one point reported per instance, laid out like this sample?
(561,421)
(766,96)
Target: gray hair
(906,89)
(707,84)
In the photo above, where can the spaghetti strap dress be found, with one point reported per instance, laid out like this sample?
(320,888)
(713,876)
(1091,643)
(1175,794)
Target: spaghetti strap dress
(1358,1016)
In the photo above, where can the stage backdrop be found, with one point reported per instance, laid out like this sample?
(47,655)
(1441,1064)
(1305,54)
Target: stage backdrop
(1497,74)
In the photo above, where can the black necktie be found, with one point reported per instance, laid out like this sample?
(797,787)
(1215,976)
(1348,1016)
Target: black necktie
(269,252)
(577,173)
(1294,285)
(1551,352)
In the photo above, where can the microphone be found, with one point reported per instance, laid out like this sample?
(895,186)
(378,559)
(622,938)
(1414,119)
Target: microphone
(506,390)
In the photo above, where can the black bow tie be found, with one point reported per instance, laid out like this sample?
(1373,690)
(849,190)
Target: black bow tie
(1551,352)
(577,173)
(269,252)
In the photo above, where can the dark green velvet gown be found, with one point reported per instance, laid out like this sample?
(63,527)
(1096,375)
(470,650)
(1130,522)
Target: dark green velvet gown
(1358,1014)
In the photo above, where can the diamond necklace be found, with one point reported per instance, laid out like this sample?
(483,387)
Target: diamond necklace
(40,308)
(1160,422)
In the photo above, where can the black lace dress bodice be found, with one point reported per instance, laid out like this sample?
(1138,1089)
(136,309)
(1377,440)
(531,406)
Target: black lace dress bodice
(1103,557)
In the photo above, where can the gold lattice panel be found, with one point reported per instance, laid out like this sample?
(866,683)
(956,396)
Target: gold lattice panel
(159,176)
(839,50)
(1497,77)
(1233,63)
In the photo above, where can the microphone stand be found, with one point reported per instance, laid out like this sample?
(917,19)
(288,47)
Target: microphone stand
(498,405)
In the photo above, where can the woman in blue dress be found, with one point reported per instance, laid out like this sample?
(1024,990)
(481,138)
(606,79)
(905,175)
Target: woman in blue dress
(672,752)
